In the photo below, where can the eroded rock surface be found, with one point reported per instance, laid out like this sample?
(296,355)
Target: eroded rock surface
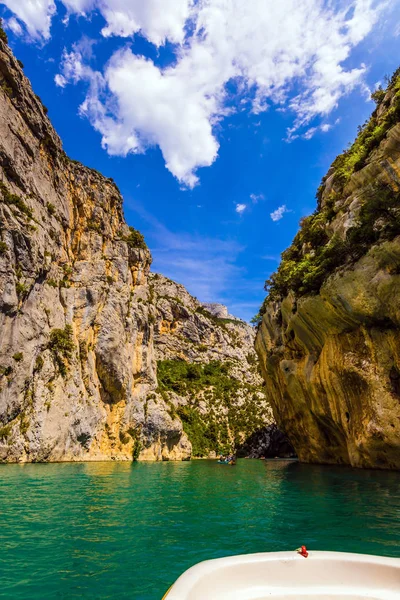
(76,354)
(331,356)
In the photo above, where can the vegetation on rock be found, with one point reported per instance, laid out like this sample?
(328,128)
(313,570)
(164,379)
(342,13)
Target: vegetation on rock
(39,362)
(221,410)
(316,251)
(13,199)
(3,35)
(61,345)
(51,209)
(5,432)
(370,134)
(135,239)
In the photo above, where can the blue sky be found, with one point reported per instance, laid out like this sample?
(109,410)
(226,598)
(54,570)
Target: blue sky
(216,118)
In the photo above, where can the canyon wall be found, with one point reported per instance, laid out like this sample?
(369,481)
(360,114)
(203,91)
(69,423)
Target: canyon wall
(329,336)
(89,339)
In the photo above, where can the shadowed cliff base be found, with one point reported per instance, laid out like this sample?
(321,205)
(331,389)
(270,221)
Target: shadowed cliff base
(268,442)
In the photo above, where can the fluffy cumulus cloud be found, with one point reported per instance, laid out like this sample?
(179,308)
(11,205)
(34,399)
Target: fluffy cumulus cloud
(290,54)
(14,26)
(277,214)
(157,20)
(35,14)
(240,208)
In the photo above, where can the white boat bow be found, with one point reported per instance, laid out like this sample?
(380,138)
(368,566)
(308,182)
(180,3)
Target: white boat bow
(287,575)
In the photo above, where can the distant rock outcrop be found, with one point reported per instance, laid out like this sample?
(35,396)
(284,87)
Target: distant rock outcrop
(207,371)
(218,310)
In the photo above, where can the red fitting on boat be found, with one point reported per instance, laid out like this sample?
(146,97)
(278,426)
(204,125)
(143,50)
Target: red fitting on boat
(303,551)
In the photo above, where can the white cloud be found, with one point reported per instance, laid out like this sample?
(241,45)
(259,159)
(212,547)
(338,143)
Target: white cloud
(279,212)
(240,208)
(268,48)
(36,14)
(74,68)
(256,198)
(310,132)
(60,80)
(14,26)
(325,127)
(157,20)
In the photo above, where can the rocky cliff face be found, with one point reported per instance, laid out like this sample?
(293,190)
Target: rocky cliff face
(329,340)
(83,324)
(76,354)
(208,373)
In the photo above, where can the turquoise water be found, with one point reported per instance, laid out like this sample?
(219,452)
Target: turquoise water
(119,531)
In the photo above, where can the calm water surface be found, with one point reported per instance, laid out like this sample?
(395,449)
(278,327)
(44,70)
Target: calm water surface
(109,530)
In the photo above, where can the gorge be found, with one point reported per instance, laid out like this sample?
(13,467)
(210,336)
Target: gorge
(100,359)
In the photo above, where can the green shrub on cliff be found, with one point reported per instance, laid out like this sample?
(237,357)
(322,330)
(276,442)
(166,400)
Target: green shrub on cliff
(304,271)
(5,432)
(312,255)
(39,362)
(369,136)
(5,371)
(61,345)
(3,35)
(51,209)
(256,320)
(135,239)
(183,377)
(316,252)
(21,290)
(230,407)
(137,447)
(13,199)
(52,283)
(378,220)
(202,434)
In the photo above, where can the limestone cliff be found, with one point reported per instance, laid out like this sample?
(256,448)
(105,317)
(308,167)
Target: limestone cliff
(208,374)
(76,354)
(82,324)
(329,339)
